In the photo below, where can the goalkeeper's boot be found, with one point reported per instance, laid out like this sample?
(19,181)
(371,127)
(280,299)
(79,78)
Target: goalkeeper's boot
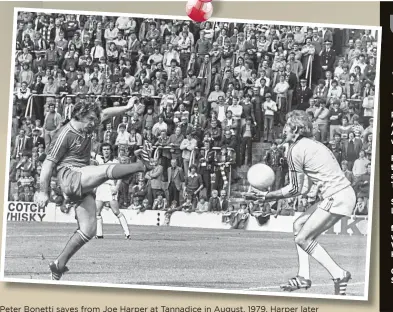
(296,283)
(340,284)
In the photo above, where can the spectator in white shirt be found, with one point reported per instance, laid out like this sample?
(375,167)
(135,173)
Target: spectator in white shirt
(270,108)
(170,55)
(123,136)
(97,51)
(159,126)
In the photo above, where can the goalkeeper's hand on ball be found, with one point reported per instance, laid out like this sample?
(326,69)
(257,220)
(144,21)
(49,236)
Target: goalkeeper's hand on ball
(254,196)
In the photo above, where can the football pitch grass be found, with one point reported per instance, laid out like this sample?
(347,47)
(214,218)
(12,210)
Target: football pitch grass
(180,257)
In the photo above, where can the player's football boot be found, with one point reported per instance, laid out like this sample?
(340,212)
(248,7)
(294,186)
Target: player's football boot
(340,284)
(143,155)
(99,237)
(128,236)
(295,283)
(56,273)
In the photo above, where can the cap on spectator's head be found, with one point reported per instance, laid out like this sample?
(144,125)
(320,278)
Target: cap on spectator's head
(223,147)
(268,95)
(328,42)
(321,81)
(355,117)
(102,58)
(303,80)
(243,203)
(248,118)
(334,81)
(146,81)
(308,38)
(335,102)
(124,94)
(50,78)
(97,40)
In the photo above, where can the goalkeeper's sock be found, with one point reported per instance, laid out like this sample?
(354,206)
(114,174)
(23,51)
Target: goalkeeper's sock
(319,253)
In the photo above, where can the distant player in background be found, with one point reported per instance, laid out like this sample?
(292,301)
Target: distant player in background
(69,157)
(108,193)
(310,162)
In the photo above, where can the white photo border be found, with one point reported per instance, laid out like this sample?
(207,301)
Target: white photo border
(250,291)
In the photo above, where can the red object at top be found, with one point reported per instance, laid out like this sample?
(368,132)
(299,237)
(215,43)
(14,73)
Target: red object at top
(199,10)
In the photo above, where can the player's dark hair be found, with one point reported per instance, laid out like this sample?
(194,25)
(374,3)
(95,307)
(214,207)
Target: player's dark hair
(106,145)
(83,108)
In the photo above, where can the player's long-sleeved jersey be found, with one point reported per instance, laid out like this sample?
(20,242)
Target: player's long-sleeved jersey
(69,148)
(318,163)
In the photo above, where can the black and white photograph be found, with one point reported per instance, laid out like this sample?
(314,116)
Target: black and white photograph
(155,152)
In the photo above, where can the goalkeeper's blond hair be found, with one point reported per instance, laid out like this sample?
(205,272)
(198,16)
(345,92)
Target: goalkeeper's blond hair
(299,122)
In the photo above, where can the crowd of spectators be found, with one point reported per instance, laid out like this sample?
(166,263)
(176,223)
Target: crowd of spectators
(207,92)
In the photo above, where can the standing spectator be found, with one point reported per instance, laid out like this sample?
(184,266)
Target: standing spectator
(247,134)
(193,185)
(275,159)
(175,181)
(188,146)
(352,148)
(303,95)
(52,123)
(154,183)
(206,160)
(270,109)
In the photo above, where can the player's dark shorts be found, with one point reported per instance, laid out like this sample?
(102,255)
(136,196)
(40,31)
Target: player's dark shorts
(70,181)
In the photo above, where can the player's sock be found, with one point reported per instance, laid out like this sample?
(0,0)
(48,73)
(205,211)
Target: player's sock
(320,254)
(120,171)
(304,263)
(123,222)
(100,225)
(74,244)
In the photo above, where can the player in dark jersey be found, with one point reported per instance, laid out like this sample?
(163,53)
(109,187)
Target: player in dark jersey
(312,163)
(69,157)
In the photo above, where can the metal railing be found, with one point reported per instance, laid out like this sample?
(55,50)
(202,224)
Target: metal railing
(29,107)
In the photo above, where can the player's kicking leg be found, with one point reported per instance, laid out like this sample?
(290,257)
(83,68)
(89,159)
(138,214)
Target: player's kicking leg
(114,204)
(100,223)
(86,180)
(86,216)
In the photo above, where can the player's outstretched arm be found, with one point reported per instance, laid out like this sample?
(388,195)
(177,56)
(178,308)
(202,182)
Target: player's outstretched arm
(119,110)
(299,184)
